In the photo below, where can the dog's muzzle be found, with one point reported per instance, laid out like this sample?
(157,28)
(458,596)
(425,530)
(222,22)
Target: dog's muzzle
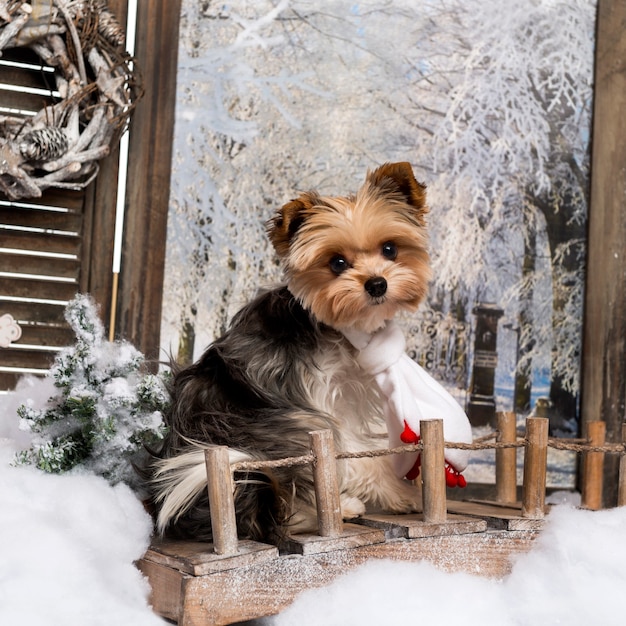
(376,286)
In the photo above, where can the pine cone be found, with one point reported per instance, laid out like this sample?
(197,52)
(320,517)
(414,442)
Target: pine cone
(44,144)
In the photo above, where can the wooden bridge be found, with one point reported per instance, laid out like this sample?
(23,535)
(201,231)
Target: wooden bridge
(232,580)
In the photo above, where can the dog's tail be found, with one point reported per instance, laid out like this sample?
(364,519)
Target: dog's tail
(180,494)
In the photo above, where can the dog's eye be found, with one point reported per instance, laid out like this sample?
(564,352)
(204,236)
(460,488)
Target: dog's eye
(389,250)
(338,264)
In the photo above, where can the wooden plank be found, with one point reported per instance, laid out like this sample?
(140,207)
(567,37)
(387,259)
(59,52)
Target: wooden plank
(506,458)
(41,242)
(24,101)
(497,516)
(64,198)
(221,500)
(351,536)
(621,491)
(198,559)
(36,217)
(603,365)
(98,232)
(42,266)
(150,156)
(535,464)
(268,588)
(42,289)
(592,468)
(21,55)
(433,475)
(41,313)
(26,359)
(99,213)
(326,484)
(24,76)
(54,336)
(167,586)
(414,525)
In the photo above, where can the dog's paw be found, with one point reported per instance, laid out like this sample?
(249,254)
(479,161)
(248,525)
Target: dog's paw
(406,499)
(351,507)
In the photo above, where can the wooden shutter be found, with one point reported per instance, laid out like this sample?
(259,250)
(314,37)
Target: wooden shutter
(41,239)
(79,225)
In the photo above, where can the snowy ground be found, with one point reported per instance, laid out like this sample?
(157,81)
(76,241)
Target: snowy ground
(68,543)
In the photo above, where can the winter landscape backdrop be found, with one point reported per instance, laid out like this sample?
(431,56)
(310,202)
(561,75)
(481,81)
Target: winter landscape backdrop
(489,100)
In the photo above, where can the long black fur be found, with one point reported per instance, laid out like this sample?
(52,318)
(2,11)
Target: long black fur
(222,400)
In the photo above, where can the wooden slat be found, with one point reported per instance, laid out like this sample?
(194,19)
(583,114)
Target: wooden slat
(57,244)
(39,359)
(43,266)
(55,336)
(41,218)
(40,289)
(23,101)
(27,77)
(28,312)
(66,198)
(198,559)
(21,55)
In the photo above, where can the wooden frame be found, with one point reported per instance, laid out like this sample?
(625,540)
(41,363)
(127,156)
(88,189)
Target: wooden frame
(603,359)
(140,289)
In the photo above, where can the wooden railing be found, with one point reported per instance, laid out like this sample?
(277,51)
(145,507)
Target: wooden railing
(432,448)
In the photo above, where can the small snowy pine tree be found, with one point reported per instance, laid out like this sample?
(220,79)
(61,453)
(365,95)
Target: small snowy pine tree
(106,410)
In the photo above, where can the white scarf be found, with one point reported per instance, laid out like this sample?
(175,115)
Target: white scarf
(412,395)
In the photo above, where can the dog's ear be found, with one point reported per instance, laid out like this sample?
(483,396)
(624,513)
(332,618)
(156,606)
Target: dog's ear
(398,177)
(283,227)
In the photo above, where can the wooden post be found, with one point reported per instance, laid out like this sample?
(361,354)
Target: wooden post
(535,464)
(506,459)
(221,500)
(433,472)
(621,491)
(603,365)
(593,468)
(329,519)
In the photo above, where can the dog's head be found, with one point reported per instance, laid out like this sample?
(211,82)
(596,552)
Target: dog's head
(355,261)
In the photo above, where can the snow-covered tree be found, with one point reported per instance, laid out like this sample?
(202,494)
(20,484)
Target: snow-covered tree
(106,409)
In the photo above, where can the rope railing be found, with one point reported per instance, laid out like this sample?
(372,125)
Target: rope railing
(431,446)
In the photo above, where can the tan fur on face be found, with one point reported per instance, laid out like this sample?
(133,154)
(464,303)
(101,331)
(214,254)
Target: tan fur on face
(310,231)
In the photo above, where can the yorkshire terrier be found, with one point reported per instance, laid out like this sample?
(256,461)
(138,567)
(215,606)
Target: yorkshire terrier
(284,367)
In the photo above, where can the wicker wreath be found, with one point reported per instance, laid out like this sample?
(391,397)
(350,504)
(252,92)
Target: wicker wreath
(98,83)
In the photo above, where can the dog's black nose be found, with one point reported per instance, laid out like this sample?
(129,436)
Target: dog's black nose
(376,286)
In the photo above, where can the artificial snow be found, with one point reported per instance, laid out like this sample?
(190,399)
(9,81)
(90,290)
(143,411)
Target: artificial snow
(68,544)
(575,574)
